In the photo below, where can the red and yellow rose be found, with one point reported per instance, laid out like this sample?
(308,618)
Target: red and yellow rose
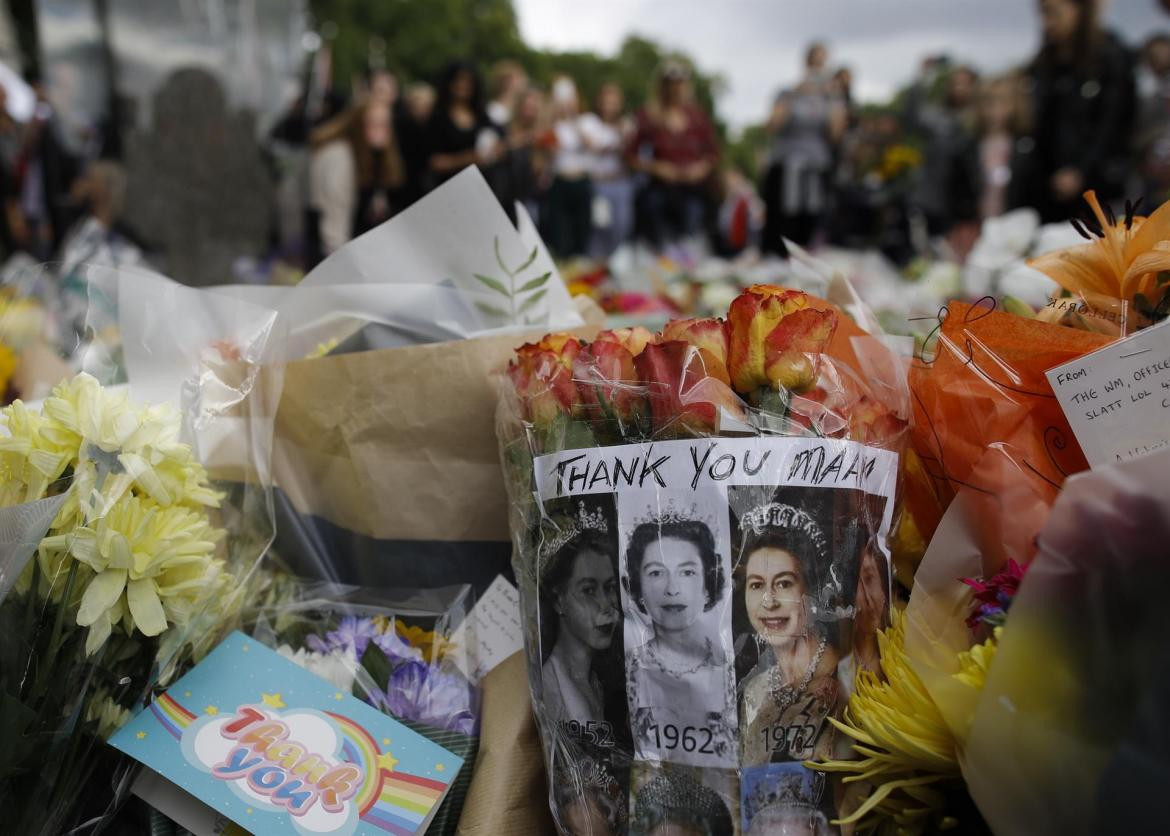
(776,339)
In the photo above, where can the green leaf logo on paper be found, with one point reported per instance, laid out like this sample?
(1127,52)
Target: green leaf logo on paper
(519,296)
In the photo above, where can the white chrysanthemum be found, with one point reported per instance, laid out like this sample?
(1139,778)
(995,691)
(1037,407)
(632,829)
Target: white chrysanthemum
(151,564)
(336,667)
(132,539)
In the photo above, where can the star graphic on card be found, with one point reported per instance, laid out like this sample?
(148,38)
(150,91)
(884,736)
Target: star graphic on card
(387,762)
(272,700)
(440,767)
(212,710)
(339,696)
(141,735)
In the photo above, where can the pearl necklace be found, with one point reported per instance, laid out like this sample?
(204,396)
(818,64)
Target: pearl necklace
(706,662)
(785,695)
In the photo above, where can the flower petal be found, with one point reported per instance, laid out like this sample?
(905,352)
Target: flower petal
(1151,231)
(145,606)
(1153,261)
(98,633)
(101,594)
(1082,269)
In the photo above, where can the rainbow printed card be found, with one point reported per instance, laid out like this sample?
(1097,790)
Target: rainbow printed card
(279,750)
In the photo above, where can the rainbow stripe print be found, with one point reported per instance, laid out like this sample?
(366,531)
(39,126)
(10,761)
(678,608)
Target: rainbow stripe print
(389,800)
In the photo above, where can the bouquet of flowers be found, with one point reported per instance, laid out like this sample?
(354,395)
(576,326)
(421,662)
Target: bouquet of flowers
(700,523)
(118,553)
(394,650)
(1020,698)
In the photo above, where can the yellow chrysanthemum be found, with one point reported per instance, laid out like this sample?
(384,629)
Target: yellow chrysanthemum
(431,643)
(151,565)
(976,662)
(132,539)
(105,429)
(29,461)
(904,743)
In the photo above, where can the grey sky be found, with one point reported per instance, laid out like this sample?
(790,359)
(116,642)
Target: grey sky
(757,44)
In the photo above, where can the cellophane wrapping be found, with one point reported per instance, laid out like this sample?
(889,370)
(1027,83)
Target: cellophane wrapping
(131,522)
(700,523)
(398,650)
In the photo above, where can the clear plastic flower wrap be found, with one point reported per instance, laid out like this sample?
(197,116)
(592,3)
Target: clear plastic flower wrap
(129,528)
(700,524)
(398,650)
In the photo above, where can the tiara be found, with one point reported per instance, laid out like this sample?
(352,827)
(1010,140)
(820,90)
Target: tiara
(593,775)
(787,790)
(779,515)
(676,791)
(570,528)
(670,515)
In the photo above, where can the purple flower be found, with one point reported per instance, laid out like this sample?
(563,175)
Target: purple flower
(396,648)
(353,635)
(424,694)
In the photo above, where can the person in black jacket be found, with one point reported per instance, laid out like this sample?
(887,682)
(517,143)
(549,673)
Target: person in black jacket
(1083,113)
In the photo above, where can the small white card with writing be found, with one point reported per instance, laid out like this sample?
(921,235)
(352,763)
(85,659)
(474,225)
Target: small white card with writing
(491,632)
(1117,399)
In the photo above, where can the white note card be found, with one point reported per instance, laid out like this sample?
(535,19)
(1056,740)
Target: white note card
(1117,399)
(491,632)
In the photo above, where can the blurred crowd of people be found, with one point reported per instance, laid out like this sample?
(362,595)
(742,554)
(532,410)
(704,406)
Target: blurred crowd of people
(1087,111)
(591,176)
(956,147)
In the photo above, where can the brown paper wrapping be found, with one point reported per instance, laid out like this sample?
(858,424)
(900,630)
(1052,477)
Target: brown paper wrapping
(398,443)
(509,792)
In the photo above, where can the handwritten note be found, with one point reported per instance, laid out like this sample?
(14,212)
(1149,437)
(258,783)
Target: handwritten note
(1117,399)
(492,630)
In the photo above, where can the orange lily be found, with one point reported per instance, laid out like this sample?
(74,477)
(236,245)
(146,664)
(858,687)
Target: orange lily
(1122,259)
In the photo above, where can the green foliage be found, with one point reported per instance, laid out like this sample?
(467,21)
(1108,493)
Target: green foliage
(747,151)
(422,37)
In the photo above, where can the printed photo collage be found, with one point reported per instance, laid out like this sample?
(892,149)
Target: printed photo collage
(703,608)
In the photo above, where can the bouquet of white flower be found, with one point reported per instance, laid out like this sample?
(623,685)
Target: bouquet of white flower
(94,610)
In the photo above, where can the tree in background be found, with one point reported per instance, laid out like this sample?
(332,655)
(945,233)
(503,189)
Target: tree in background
(416,40)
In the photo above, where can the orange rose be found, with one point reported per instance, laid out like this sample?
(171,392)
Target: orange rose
(632,340)
(543,377)
(775,339)
(607,381)
(684,396)
(709,335)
